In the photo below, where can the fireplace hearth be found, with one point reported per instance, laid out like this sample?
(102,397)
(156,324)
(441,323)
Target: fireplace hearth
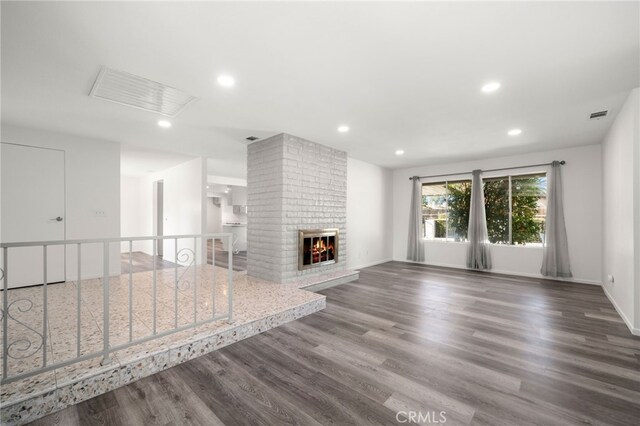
(317,247)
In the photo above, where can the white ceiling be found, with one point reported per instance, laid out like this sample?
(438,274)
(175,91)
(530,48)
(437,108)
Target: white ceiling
(401,75)
(216,188)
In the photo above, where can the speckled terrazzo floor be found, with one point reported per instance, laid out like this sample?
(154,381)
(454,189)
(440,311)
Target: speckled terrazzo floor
(257,306)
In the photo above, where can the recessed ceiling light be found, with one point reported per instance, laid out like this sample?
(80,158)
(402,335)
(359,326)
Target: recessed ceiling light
(207,186)
(491,87)
(164,123)
(400,152)
(226,81)
(343,129)
(514,132)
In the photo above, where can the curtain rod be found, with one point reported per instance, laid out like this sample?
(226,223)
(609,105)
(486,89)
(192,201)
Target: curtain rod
(490,170)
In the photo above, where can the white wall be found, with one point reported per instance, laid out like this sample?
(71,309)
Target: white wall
(184,204)
(582,177)
(369,214)
(130,210)
(214,217)
(92,182)
(621,195)
(226,206)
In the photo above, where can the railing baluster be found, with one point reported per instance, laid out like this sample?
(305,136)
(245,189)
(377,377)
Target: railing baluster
(155,249)
(105,305)
(175,287)
(195,282)
(49,364)
(5,313)
(213,277)
(79,301)
(230,280)
(44,306)
(131,291)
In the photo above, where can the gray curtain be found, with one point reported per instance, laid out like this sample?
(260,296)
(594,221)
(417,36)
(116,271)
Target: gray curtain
(478,256)
(415,245)
(555,257)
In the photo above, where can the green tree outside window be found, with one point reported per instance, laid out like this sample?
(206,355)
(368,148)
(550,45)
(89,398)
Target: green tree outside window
(446,204)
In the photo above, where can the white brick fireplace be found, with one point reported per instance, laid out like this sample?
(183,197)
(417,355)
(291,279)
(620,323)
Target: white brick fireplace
(293,185)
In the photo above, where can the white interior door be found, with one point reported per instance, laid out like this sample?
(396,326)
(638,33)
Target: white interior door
(33,209)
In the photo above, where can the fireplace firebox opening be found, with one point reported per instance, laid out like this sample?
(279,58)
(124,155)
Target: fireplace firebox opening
(317,247)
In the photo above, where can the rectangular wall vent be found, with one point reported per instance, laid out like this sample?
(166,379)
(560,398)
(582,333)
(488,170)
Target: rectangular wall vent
(599,114)
(139,92)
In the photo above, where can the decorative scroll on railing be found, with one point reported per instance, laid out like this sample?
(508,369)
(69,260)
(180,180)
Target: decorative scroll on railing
(25,347)
(187,258)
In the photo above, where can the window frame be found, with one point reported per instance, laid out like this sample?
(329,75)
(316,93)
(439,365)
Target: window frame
(509,177)
(446,183)
(521,175)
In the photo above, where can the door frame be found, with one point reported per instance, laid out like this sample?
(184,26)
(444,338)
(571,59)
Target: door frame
(64,201)
(158,215)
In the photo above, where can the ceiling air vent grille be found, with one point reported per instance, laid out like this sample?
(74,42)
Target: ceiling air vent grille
(139,92)
(598,115)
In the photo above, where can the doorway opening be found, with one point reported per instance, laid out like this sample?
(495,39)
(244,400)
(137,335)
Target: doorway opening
(227,212)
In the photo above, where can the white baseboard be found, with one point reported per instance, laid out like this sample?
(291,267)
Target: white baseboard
(502,272)
(566,280)
(366,265)
(92,276)
(634,331)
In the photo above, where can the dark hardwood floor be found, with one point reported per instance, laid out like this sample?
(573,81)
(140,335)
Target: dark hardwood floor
(484,349)
(142,262)
(239,258)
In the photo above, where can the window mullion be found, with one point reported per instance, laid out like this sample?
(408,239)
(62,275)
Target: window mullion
(510,214)
(446,203)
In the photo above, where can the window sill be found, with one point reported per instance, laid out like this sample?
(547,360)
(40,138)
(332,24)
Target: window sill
(492,245)
(517,246)
(444,241)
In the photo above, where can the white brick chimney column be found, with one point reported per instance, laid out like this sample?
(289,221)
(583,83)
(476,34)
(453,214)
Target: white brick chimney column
(292,184)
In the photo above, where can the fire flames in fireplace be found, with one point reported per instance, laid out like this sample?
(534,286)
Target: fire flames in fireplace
(318,247)
(321,250)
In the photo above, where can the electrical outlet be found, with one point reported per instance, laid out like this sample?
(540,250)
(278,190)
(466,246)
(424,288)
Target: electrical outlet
(100,213)
(610,278)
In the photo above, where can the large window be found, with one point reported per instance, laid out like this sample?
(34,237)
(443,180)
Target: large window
(515,206)
(528,208)
(445,210)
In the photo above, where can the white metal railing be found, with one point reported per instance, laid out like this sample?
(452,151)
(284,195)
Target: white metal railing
(184,259)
